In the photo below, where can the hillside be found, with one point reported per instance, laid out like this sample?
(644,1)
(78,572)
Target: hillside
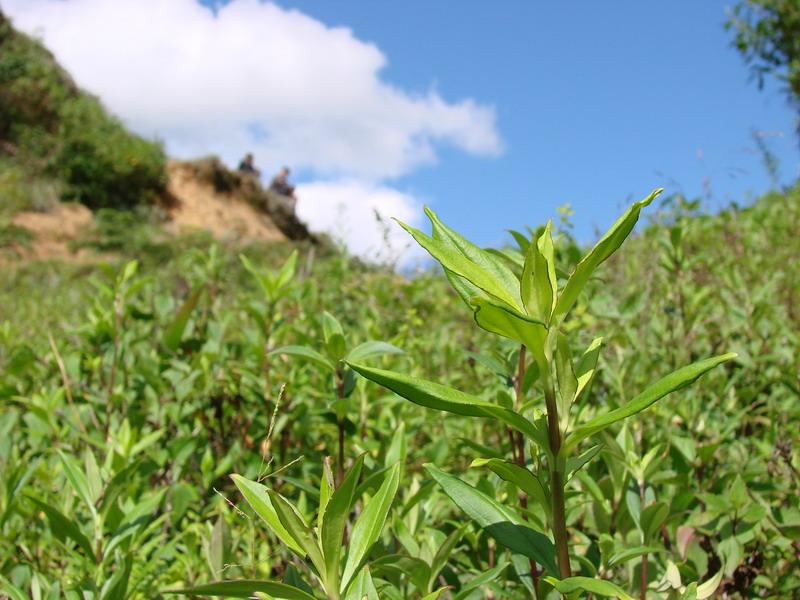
(59,145)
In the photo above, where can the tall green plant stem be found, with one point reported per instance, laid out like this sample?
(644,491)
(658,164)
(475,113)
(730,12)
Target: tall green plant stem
(340,426)
(112,379)
(644,573)
(519,455)
(556,477)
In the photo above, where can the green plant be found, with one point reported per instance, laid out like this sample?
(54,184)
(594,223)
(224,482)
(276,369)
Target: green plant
(321,547)
(190,405)
(101,163)
(334,359)
(532,309)
(62,140)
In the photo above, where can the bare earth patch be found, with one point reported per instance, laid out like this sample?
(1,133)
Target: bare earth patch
(197,205)
(53,231)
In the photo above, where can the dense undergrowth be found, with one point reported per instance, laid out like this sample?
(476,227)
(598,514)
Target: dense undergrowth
(130,394)
(58,142)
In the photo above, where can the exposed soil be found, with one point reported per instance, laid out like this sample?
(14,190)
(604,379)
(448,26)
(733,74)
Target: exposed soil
(53,232)
(194,200)
(195,204)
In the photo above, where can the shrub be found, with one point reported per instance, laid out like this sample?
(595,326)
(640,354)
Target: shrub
(52,129)
(101,163)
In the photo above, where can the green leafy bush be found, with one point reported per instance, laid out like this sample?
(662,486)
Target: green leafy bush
(101,163)
(52,130)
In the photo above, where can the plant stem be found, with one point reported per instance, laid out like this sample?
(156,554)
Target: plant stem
(519,455)
(340,425)
(644,574)
(113,377)
(557,481)
(340,462)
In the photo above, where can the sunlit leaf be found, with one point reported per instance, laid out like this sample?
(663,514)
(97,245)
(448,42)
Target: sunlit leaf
(245,588)
(259,500)
(308,354)
(604,248)
(672,382)
(440,397)
(369,525)
(498,521)
(600,587)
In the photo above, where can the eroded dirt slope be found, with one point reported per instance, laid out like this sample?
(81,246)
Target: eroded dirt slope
(196,204)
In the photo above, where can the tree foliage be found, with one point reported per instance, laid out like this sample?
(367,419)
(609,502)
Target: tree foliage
(767,34)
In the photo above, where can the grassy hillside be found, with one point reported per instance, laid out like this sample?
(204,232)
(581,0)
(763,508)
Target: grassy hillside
(58,143)
(129,396)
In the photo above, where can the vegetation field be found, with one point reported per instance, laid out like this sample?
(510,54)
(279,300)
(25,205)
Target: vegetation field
(538,420)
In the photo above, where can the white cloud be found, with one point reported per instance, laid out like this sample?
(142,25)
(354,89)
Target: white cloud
(272,81)
(253,76)
(349,210)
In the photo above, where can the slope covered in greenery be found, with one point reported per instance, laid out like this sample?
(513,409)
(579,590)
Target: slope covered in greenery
(129,396)
(57,142)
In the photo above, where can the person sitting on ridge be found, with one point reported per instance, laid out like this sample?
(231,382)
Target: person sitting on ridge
(280,184)
(247,166)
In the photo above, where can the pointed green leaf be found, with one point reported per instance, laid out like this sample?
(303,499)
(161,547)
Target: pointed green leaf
(519,476)
(116,587)
(326,489)
(62,527)
(174,331)
(370,524)
(219,548)
(576,463)
(294,524)
(335,520)
(245,588)
(521,239)
(539,285)
(483,258)
(631,553)
(587,366)
(604,248)
(362,587)
(286,272)
(652,517)
(333,335)
(416,570)
(567,381)
(434,395)
(308,354)
(510,323)
(370,349)
(708,587)
(668,384)
(587,584)
(94,479)
(501,523)
(479,274)
(15,482)
(78,481)
(258,499)
(443,555)
(263,280)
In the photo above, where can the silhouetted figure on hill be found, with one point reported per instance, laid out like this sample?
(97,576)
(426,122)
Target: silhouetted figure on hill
(280,184)
(247,165)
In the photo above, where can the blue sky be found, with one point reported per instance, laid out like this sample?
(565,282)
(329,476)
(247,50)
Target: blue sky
(596,104)
(495,114)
